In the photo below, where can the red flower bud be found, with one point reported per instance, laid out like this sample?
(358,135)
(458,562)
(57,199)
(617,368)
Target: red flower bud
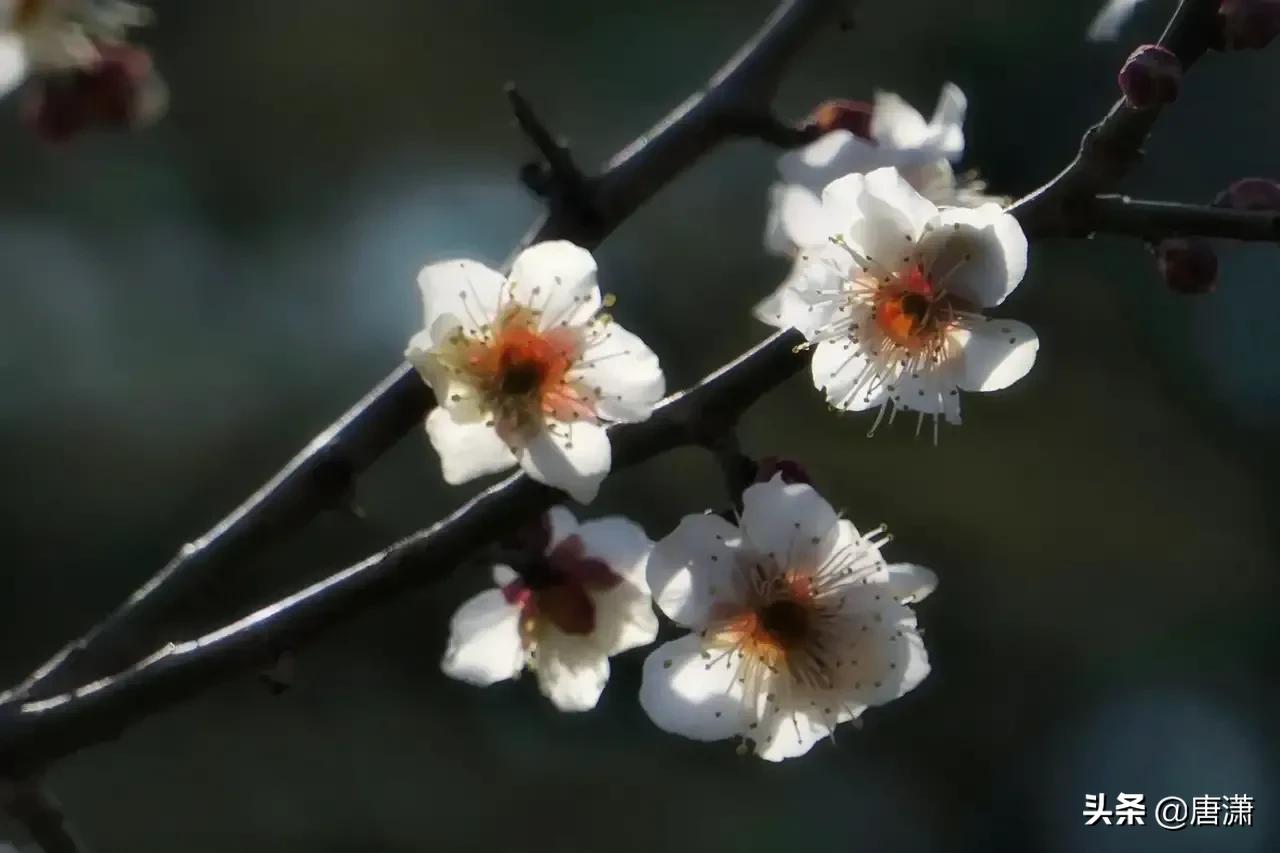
(1249,24)
(1188,264)
(853,116)
(119,90)
(1250,194)
(1150,77)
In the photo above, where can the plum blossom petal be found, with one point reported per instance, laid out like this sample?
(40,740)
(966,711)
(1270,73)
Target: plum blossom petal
(796,218)
(575,458)
(910,583)
(789,523)
(468,449)
(1113,15)
(983,255)
(13,62)
(465,290)
(847,377)
(484,641)
(572,671)
(558,281)
(625,618)
(692,566)
(897,124)
(686,693)
(996,354)
(619,361)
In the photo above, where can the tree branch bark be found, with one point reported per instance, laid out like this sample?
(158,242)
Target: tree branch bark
(1112,147)
(736,102)
(35,732)
(1156,220)
(30,802)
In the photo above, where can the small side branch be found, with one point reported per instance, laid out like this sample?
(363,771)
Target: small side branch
(558,178)
(31,804)
(1111,148)
(1156,220)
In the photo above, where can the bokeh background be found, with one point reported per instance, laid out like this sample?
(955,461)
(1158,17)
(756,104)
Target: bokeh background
(180,310)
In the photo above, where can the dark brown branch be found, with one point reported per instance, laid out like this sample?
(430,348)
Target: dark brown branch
(36,732)
(1155,220)
(1111,148)
(34,807)
(558,179)
(322,475)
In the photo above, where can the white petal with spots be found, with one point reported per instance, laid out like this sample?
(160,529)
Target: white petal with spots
(692,567)
(572,457)
(558,280)
(468,449)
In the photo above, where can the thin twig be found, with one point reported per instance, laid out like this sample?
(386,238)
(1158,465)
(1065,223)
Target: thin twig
(323,474)
(1156,220)
(559,180)
(737,469)
(1111,148)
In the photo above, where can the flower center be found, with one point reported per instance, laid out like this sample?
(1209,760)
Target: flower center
(556,587)
(911,311)
(521,373)
(785,621)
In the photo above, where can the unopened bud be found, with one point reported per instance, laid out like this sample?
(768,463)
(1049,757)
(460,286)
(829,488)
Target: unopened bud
(1249,24)
(1150,77)
(790,470)
(1188,264)
(1250,194)
(118,90)
(853,116)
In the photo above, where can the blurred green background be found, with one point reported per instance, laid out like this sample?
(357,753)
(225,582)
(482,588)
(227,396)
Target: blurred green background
(182,309)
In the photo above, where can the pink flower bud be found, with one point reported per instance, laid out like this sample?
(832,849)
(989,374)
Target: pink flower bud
(1250,194)
(853,116)
(119,90)
(1150,77)
(1249,24)
(1188,264)
(791,471)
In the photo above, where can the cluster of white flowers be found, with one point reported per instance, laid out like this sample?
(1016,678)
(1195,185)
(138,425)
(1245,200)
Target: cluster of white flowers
(796,622)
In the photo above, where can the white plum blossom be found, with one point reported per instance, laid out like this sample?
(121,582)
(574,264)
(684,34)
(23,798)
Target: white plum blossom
(897,135)
(797,624)
(527,369)
(582,598)
(39,36)
(892,303)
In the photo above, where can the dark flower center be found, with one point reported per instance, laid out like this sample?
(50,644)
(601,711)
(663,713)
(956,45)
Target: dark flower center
(520,377)
(786,621)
